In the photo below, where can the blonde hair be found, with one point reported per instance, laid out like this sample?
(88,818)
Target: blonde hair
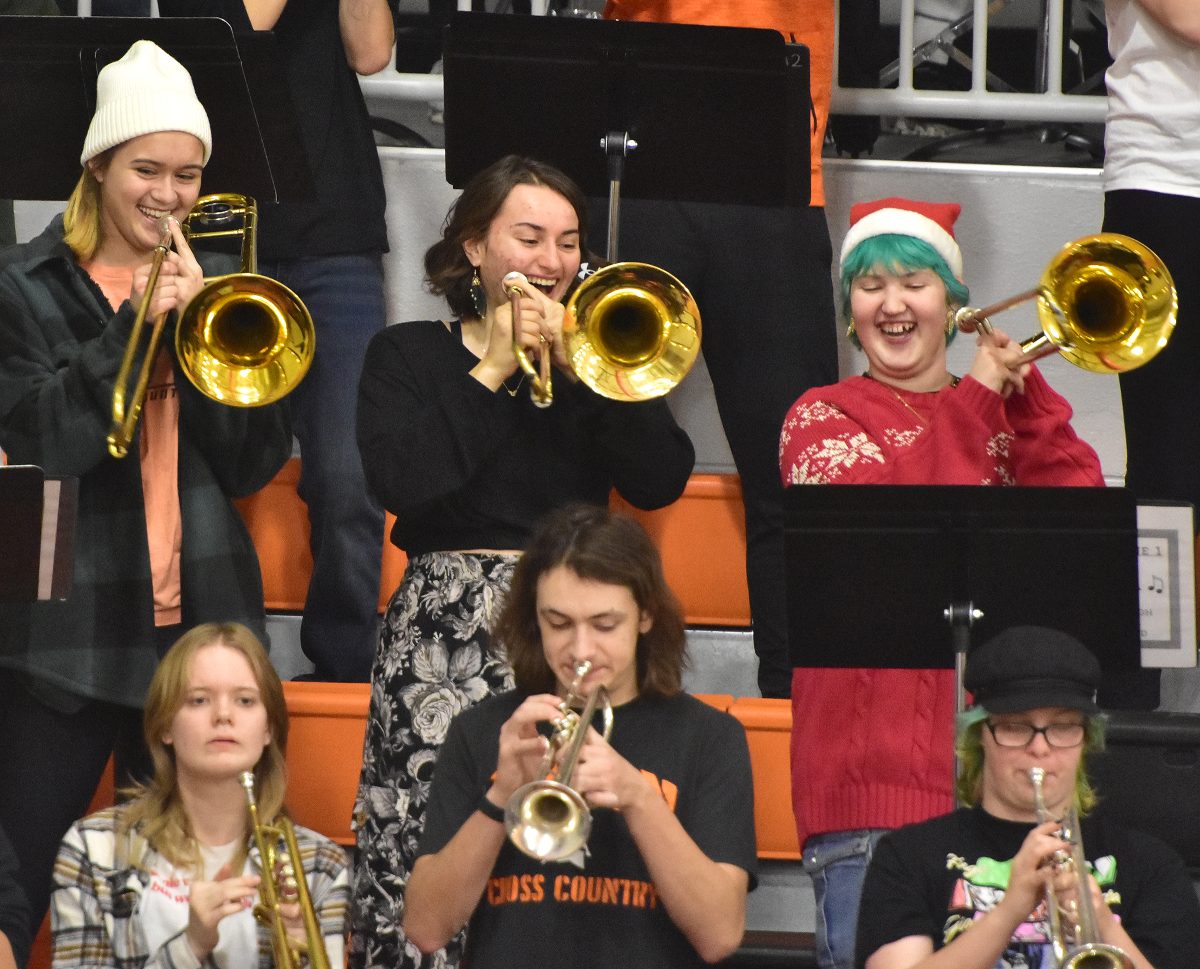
(157,809)
(81,220)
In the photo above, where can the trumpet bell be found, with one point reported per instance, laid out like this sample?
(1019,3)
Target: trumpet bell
(1108,303)
(632,331)
(547,820)
(245,340)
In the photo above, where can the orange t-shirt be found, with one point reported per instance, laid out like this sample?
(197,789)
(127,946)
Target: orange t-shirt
(807,22)
(159,452)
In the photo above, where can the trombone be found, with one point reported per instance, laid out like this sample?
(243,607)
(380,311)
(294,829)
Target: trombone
(1086,952)
(547,819)
(1106,302)
(631,331)
(288,953)
(244,340)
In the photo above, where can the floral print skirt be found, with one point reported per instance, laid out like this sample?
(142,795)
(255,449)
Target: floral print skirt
(435,658)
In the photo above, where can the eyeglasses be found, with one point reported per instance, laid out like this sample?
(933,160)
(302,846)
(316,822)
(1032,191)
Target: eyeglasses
(1011,733)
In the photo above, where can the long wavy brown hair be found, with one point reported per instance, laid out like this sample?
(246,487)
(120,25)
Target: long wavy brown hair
(448,272)
(601,546)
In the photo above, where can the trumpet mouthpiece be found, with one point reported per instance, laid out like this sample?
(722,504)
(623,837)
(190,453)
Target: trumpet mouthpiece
(514,279)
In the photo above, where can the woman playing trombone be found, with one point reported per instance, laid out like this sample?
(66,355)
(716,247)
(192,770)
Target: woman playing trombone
(455,448)
(169,878)
(158,543)
(871,749)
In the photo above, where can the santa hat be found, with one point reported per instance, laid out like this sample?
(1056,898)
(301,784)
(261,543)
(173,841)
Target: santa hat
(931,222)
(146,91)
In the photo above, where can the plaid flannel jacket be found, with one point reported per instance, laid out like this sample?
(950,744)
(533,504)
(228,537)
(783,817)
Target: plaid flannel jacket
(101,871)
(60,349)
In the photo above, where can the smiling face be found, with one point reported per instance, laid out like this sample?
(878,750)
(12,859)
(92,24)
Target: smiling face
(221,728)
(1007,791)
(141,181)
(901,323)
(536,232)
(581,619)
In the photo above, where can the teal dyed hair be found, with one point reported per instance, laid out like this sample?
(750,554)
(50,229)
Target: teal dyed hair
(969,748)
(898,254)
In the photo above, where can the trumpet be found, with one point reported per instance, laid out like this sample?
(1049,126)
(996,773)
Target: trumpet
(288,953)
(1084,951)
(244,340)
(631,331)
(1106,302)
(547,819)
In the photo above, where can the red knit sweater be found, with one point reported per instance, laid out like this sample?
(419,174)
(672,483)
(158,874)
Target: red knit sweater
(874,748)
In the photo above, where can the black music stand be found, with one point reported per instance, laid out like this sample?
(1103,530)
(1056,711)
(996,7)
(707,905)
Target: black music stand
(907,576)
(703,114)
(37,522)
(48,68)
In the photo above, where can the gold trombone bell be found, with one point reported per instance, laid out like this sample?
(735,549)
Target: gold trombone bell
(244,340)
(632,331)
(1106,302)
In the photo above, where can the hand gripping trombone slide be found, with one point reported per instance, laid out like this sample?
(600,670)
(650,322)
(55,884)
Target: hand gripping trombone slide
(287,884)
(1087,952)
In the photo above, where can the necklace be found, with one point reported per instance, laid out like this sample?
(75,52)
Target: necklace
(513,391)
(904,403)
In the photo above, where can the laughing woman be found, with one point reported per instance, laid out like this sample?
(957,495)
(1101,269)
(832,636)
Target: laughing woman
(871,749)
(158,543)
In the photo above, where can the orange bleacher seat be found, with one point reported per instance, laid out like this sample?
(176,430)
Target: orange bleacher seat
(768,726)
(327,722)
(702,538)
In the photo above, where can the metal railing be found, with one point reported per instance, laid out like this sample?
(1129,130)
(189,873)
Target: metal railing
(1051,103)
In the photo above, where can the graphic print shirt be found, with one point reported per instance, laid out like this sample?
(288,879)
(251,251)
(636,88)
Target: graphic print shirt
(939,877)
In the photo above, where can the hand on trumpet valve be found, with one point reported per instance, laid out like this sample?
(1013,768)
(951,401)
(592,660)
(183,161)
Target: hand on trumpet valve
(1000,363)
(608,780)
(211,901)
(523,746)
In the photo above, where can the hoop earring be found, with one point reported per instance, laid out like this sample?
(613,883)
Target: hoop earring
(852,336)
(478,296)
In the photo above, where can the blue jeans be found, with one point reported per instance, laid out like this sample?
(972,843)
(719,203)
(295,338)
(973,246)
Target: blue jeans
(344,294)
(837,863)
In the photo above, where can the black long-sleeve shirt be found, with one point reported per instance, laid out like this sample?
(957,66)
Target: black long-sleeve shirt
(464,467)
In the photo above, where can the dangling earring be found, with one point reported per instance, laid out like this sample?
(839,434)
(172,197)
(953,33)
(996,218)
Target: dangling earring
(951,321)
(478,296)
(852,336)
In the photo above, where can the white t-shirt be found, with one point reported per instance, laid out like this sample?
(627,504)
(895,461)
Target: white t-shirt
(1152,135)
(163,910)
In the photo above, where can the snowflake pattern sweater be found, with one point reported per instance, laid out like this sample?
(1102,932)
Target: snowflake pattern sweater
(873,748)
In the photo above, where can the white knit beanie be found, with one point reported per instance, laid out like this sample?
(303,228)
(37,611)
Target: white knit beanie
(146,91)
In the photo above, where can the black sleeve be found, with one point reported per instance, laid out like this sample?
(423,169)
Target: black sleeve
(244,446)
(720,818)
(1159,909)
(648,455)
(459,780)
(896,896)
(56,401)
(14,909)
(422,439)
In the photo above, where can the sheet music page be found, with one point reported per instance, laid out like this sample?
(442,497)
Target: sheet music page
(1166,585)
